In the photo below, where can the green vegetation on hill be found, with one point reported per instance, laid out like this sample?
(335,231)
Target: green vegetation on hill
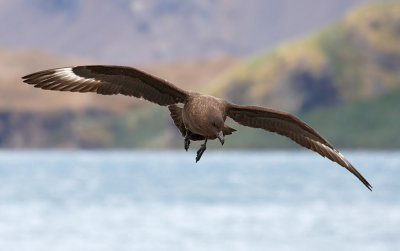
(372,123)
(356,58)
(344,81)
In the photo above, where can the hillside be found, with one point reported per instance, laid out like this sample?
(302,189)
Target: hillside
(357,58)
(372,123)
(31,117)
(344,81)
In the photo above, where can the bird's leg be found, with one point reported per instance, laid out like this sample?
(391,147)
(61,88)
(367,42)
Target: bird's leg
(187,140)
(201,151)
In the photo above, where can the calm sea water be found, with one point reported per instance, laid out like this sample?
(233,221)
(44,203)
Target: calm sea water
(162,200)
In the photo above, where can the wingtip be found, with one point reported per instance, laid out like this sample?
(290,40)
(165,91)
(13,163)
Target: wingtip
(25,79)
(40,73)
(32,75)
(363,180)
(28,79)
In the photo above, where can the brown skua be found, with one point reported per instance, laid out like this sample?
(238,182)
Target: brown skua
(202,117)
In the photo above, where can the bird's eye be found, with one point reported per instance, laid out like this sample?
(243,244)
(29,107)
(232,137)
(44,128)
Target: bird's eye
(213,124)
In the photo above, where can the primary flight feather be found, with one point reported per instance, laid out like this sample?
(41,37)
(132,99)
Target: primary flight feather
(202,116)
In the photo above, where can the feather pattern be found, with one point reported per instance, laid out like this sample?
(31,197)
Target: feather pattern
(108,80)
(290,126)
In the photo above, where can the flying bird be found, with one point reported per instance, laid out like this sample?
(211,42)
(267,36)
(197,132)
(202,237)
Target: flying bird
(201,118)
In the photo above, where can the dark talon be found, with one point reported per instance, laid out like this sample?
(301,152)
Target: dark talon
(187,140)
(201,151)
(187,144)
(199,154)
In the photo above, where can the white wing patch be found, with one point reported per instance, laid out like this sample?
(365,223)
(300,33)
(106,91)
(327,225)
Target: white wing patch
(68,75)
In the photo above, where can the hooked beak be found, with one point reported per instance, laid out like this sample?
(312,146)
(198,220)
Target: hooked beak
(220,136)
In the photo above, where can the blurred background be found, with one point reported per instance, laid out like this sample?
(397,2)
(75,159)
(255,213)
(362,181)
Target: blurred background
(333,63)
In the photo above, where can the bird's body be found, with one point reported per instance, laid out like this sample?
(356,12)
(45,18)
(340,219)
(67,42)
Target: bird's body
(199,112)
(202,117)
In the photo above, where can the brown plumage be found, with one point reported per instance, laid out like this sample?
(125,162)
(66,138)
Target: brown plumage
(202,117)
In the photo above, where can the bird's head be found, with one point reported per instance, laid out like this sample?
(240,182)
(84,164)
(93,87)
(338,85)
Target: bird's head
(216,125)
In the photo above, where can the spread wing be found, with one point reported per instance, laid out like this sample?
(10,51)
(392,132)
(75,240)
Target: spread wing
(108,80)
(290,126)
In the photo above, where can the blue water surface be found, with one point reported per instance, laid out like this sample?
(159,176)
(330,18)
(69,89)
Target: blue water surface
(230,200)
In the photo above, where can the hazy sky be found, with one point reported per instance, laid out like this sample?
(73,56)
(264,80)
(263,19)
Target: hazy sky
(131,31)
